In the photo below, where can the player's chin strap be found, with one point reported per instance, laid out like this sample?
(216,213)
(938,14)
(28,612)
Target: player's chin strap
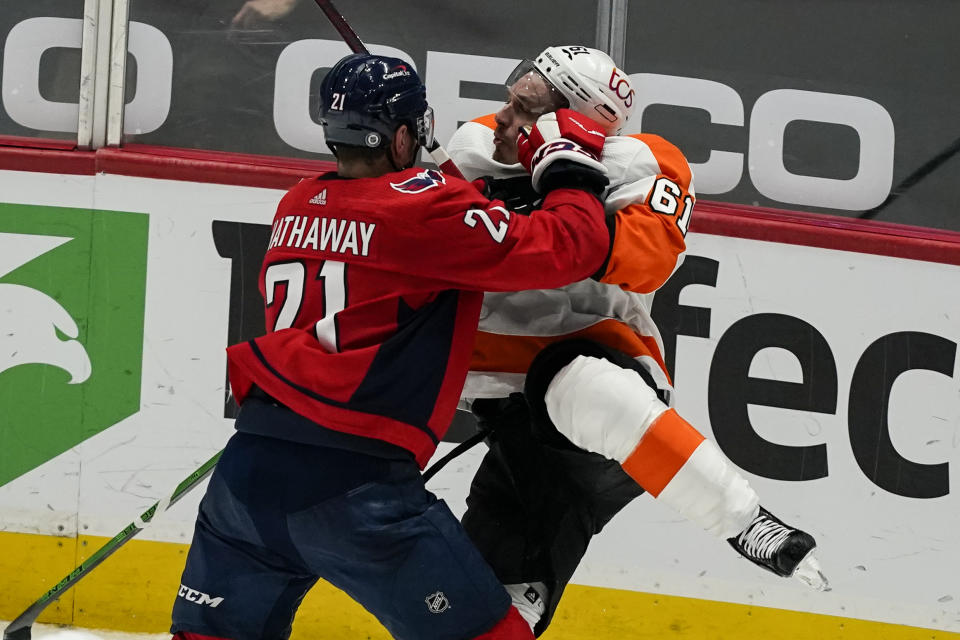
(456,451)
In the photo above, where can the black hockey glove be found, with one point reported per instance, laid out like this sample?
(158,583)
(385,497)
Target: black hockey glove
(573,175)
(517,193)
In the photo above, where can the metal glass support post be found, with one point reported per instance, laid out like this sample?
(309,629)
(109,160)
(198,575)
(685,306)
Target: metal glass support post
(118,70)
(88,60)
(612,28)
(101,73)
(602,40)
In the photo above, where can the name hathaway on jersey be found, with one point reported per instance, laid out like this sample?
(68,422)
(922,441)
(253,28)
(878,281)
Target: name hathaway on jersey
(322,234)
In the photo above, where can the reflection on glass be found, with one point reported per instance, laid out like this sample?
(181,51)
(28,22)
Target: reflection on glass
(773,117)
(244,73)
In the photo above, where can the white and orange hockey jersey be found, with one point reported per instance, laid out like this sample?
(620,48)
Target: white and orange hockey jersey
(648,205)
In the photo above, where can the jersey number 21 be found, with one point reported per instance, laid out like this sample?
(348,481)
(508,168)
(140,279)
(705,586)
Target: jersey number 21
(294,275)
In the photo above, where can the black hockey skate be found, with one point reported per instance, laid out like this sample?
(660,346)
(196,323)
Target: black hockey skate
(780,549)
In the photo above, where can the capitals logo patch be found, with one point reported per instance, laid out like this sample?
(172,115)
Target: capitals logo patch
(419,183)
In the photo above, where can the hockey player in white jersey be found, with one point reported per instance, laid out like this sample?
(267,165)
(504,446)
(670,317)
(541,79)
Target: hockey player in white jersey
(572,381)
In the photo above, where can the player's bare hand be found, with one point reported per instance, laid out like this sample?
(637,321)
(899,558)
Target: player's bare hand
(254,12)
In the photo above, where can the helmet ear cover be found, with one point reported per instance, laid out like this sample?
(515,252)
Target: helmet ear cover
(365,98)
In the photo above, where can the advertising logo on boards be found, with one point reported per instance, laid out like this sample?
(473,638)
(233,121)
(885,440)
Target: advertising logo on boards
(72,292)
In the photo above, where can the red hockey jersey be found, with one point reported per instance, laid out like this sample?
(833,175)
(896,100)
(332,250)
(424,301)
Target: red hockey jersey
(373,289)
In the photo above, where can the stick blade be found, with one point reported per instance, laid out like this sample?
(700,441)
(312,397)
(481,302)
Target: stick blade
(20,633)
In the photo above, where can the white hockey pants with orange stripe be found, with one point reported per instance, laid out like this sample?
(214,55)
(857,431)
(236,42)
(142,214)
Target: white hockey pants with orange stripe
(609,410)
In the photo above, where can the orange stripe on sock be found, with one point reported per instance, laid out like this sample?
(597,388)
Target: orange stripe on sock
(662,450)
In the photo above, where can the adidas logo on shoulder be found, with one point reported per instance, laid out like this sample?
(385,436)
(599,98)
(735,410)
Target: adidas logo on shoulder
(320,198)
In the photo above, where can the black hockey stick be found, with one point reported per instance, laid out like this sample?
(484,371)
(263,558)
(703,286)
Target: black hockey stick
(19,629)
(926,169)
(343,28)
(456,451)
(438,153)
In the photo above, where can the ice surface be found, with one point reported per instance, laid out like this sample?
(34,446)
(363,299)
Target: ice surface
(55,632)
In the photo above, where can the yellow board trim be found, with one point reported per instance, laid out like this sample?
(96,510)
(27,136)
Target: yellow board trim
(133,590)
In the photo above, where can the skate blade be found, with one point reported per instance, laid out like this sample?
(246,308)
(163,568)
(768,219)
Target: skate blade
(809,573)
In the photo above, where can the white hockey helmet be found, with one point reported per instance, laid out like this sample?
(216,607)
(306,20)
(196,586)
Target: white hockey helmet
(588,79)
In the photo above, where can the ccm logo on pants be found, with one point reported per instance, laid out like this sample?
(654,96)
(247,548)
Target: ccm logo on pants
(192,595)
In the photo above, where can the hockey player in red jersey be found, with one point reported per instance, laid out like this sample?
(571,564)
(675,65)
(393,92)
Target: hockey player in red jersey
(373,284)
(593,427)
